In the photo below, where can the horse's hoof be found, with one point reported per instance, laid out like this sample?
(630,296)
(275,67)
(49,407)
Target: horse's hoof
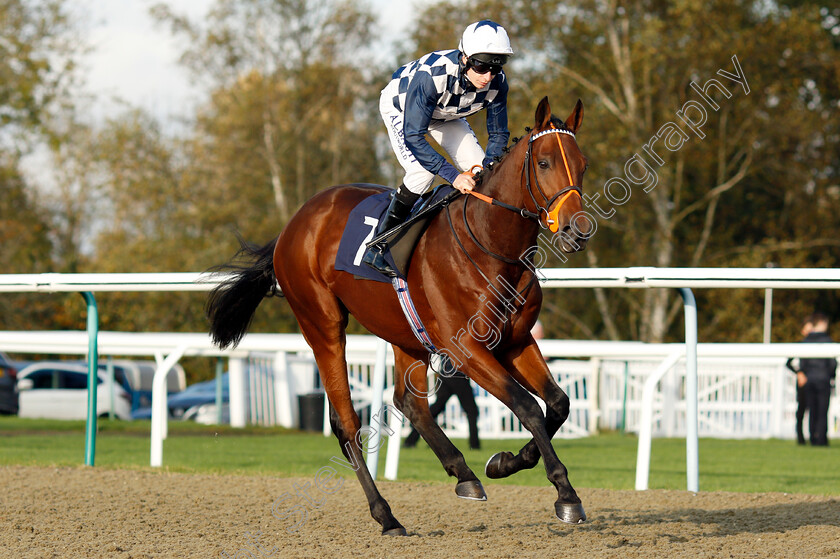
(472,490)
(398,531)
(493,468)
(570,513)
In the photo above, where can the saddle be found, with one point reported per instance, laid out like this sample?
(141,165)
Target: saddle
(402,239)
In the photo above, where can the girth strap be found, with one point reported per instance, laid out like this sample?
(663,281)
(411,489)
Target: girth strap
(401,287)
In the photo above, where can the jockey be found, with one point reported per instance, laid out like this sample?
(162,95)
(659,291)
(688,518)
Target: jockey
(433,95)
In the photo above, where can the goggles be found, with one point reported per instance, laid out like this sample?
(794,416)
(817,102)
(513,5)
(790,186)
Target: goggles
(484,67)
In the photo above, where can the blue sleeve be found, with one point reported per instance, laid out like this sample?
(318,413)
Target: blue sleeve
(497,123)
(420,101)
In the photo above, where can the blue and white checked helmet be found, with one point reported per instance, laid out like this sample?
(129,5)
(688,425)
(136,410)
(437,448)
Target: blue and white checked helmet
(486,37)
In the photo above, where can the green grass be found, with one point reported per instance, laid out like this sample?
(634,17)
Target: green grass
(605,461)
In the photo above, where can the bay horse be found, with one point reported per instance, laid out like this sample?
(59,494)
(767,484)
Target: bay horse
(470,251)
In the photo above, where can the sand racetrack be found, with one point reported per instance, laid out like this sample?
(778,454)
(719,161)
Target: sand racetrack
(93,512)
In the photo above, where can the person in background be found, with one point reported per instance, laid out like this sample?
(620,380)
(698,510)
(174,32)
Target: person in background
(452,381)
(815,376)
(801,403)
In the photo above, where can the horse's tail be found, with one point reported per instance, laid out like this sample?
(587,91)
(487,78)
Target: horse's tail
(232,304)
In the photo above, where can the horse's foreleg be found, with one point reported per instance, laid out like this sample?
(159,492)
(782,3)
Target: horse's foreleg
(505,464)
(410,397)
(530,370)
(493,377)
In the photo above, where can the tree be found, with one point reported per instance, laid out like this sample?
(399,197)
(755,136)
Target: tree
(287,96)
(643,69)
(283,119)
(38,53)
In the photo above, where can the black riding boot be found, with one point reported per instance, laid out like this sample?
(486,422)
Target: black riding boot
(401,203)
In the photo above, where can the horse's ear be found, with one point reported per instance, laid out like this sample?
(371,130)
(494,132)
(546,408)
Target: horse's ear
(574,120)
(543,115)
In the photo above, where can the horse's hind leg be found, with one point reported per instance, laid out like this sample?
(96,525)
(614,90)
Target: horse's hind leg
(530,370)
(410,389)
(327,341)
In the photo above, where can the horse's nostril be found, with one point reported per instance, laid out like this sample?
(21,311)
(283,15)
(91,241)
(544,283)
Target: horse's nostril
(583,227)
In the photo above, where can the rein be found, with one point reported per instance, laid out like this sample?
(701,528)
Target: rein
(521,211)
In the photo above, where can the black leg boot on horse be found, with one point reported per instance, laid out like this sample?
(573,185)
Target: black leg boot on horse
(401,203)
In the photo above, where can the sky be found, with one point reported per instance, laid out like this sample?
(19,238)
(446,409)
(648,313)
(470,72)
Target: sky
(135,60)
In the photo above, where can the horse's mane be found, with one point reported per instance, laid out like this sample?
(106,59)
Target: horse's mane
(485,175)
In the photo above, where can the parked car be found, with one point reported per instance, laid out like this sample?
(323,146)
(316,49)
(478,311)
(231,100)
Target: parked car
(58,390)
(207,414)
(185,404)
(8,386)
(135,376)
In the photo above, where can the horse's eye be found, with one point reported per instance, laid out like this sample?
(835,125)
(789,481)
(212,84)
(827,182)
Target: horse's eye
(543,164)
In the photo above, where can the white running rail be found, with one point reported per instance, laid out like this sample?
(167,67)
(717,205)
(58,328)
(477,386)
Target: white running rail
(639,277)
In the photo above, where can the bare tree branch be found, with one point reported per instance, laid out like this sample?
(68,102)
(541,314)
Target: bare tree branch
(784,246)
(609,103)
(718,190)
(601,300)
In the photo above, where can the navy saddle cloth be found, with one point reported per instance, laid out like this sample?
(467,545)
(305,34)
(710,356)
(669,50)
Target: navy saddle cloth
(361,228)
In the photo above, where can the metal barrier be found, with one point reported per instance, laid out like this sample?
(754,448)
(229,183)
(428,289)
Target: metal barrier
(642,277)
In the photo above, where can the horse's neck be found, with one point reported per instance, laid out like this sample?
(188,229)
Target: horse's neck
(499,230)
(506,183)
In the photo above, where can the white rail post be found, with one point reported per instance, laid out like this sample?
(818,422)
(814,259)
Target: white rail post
(646,421)
(252,390)
(285,391)
(327,430)
(160,412)
(777,410)
(237,393)
(594,396)
(93,378)
(692,453)
(377,387)
(392,458)
(768,315)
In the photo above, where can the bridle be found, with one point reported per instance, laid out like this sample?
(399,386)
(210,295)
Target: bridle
(551,217)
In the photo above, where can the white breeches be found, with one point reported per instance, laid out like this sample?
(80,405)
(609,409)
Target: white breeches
(455,137)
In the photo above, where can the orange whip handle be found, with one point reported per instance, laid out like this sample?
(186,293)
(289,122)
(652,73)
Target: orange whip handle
(480,196)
